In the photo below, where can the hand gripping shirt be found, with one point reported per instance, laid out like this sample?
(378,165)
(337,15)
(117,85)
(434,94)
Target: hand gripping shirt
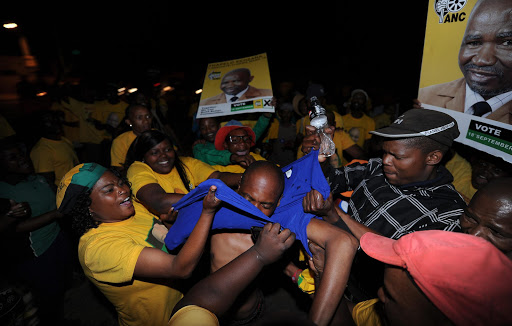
(236,212)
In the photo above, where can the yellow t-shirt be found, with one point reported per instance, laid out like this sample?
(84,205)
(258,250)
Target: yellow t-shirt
(364,313)
(193,316)
(108,255)
(364,125)
(235,168)
(104,109)
(71,133)
(57,156)
(140,174)
(461,171)
(87,131)
(273,131)
(120,146)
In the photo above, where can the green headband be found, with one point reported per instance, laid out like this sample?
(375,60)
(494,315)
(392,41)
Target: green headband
(78,180)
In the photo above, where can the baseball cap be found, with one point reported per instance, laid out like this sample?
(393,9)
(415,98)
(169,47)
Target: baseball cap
(231,125)
(355,91)
(76,181)
(436,125)
(464,276)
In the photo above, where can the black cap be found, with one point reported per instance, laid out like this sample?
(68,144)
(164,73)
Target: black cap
(436,125)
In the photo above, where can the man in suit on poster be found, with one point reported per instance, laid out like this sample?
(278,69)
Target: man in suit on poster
(235,87)
(485,59)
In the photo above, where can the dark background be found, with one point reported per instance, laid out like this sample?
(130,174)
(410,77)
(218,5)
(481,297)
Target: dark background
(376,46)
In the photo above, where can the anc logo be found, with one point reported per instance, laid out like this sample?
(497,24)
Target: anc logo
(448,10)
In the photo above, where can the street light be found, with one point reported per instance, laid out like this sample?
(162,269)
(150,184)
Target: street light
(10,25)
(29,60)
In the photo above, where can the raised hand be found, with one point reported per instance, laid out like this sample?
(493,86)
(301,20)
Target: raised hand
(210,202)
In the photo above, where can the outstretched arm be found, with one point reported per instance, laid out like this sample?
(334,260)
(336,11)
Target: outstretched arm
(156,199)
(154,262)
(218,291)
(314,203)
(340,249)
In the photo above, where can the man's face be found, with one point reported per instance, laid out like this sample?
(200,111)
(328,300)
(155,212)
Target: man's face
(238,142)
(485,56)
(208,128)
(140,118)
(403,164)
(403,303)
(354,134)
(358,101)
(235,82)
(491,219)
(261,190)
(483,171)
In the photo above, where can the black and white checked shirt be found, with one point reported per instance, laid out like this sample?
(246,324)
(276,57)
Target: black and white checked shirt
(394,211)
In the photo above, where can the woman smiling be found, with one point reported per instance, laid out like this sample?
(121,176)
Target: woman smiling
(160,177)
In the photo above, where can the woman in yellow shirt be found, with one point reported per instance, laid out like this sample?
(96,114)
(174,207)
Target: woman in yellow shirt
(160,177)
(121,251)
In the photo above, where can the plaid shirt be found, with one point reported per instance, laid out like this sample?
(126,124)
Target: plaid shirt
(394,211)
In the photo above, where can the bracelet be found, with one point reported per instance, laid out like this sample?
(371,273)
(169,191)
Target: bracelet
(295,275)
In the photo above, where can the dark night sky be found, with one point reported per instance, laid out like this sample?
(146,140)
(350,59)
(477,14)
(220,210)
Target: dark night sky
(372,45)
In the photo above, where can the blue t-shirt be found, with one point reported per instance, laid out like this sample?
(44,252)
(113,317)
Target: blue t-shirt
(236,212)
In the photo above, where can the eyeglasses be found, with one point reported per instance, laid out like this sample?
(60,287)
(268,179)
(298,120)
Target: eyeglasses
(238,139)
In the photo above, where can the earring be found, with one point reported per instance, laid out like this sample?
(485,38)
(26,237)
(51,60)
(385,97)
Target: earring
(130,125)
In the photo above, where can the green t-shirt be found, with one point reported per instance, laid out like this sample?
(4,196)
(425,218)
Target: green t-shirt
(41,198)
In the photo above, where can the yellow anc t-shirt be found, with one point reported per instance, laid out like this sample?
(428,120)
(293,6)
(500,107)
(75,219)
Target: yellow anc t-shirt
(57,156)
(120,146)
(461,171)
(235,168)
(108,255)
(365,124)
(140,174)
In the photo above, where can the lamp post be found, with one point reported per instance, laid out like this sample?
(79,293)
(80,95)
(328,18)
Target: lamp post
(30,62)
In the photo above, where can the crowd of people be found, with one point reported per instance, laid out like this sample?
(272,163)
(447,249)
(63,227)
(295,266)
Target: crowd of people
(107,205)
(401,225)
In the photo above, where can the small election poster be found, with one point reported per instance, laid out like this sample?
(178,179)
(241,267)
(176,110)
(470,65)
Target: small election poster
(236,86)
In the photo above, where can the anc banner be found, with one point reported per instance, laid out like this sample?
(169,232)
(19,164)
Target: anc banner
(442,85)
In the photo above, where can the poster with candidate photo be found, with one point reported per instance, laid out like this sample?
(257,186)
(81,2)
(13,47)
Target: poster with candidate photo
(463,72)
(236,86)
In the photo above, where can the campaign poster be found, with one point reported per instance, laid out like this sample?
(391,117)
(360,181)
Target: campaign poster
(236,86)
(442,84)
